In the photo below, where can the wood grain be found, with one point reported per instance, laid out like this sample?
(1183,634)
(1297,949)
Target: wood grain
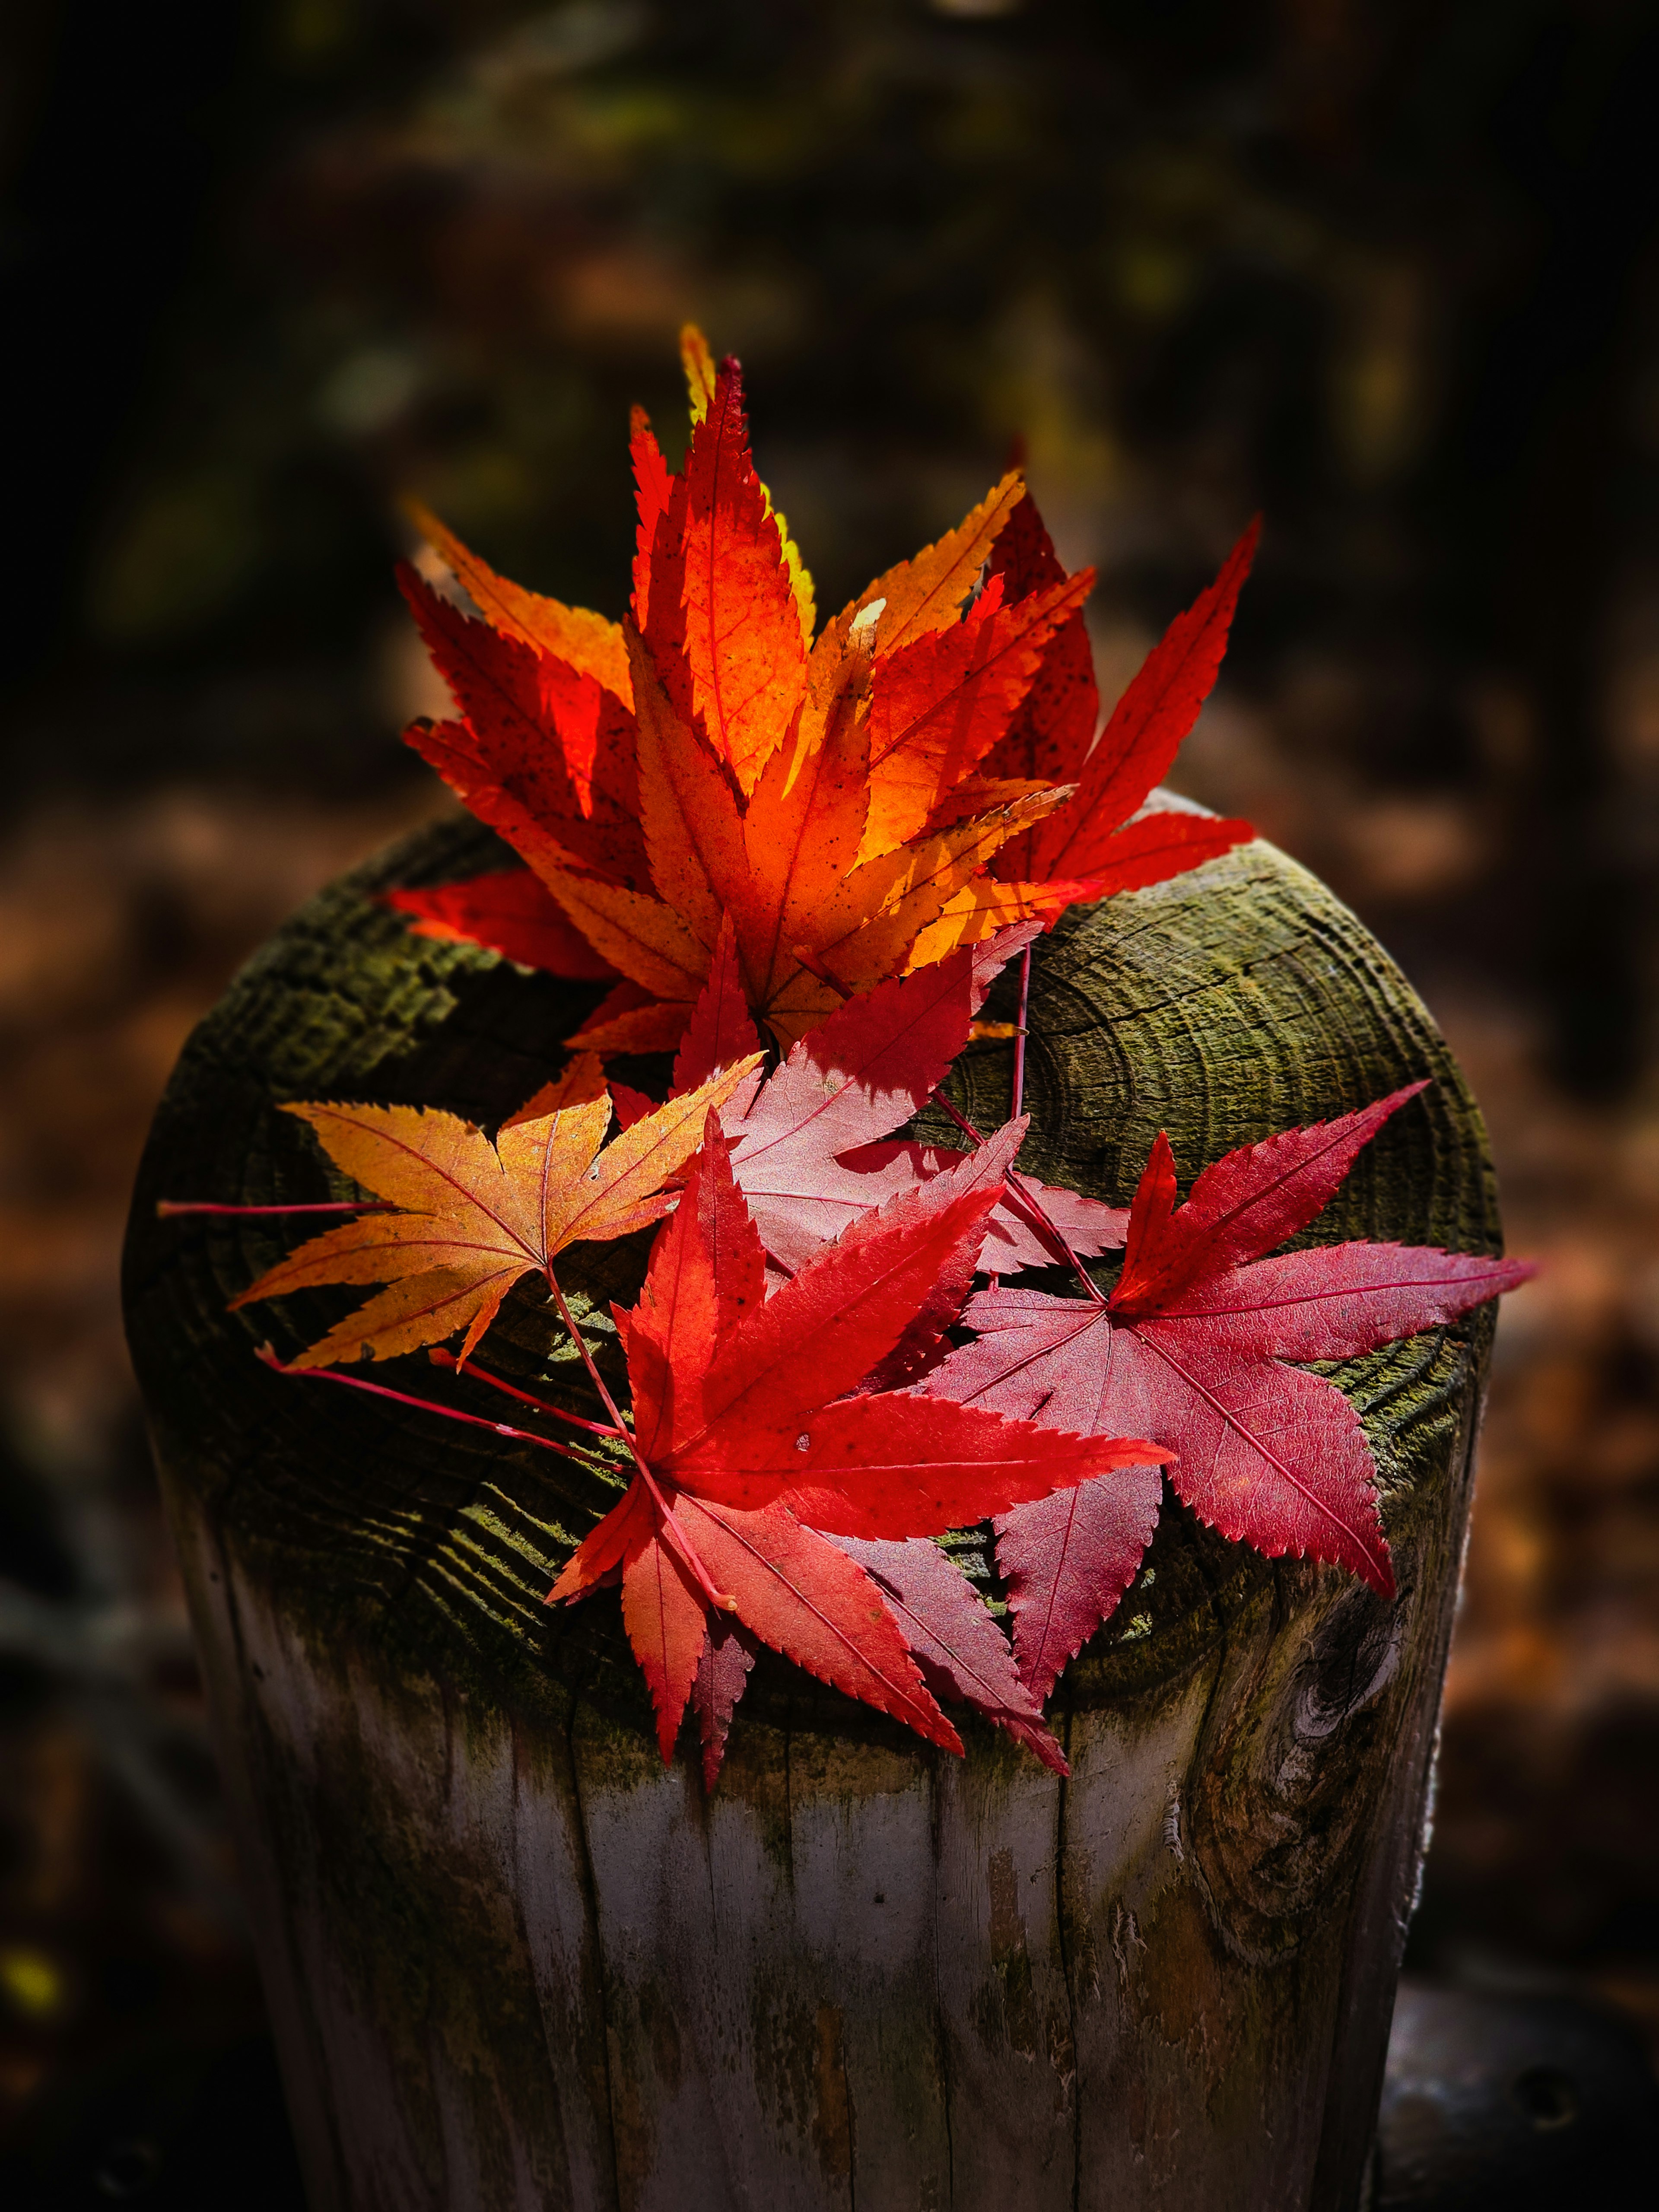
(512,1960)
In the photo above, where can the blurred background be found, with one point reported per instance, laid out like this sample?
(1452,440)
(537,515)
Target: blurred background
(1388,270)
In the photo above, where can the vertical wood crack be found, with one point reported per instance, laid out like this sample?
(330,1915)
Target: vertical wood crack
(1062,1939)
(591,1898)
(299,1982)
(941,2031)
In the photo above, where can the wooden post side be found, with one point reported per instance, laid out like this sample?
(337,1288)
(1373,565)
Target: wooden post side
(514,1961)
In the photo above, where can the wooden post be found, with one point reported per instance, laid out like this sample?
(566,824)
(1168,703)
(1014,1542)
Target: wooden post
(513,1961)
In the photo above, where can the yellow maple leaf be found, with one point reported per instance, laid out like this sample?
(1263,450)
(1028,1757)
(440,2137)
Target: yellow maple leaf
(465,1218)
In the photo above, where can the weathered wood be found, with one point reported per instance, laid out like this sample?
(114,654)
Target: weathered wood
(514,1962)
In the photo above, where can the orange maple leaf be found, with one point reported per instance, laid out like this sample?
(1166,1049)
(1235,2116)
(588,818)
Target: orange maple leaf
(468,1218)
(841,803)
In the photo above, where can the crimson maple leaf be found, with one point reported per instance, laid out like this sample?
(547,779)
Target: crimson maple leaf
(1101,832)
(749,1457)
(954,1638)
(1191,1347)
(840,801)
(808,1149)
(510,911)
(947,1628)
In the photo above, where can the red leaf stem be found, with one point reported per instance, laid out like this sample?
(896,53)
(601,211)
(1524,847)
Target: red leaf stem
(1019,1190)
(1018,1107)
(442,1358)
(423,1405)
(676,1534)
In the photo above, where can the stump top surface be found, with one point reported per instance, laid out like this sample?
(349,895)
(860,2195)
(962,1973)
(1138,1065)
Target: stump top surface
(1223,1006)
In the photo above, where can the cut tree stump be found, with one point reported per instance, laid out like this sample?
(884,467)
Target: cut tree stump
(514,1961)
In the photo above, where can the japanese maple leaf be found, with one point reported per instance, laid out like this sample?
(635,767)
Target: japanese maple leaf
(818,909)
(1101,832)
(549,750)
(962,1653)
(724,1665)
(947,1628)
(809,1153)
(466,1218)
(544,748)
(947,1631)
(1192,1347)
(841,801)
(750,1454)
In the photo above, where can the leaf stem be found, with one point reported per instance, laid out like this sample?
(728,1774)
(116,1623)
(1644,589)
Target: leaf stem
(424,1405)
(169,1209)
(1019,1105)
(439,1357)
(682,1543)
(1035,1211)
(1020,1190)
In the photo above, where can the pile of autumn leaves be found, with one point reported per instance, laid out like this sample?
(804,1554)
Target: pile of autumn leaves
(833,846)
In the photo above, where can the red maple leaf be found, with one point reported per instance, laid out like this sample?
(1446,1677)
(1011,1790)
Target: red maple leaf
(729,1653)
(808,1150)
(1101,832)
(1191,1347)
(508,911)
(953,1638)
(543,750)
(948,1630)
(746,1446)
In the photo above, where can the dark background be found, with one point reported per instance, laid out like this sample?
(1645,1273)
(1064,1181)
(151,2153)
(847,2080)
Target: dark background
(1384,268)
